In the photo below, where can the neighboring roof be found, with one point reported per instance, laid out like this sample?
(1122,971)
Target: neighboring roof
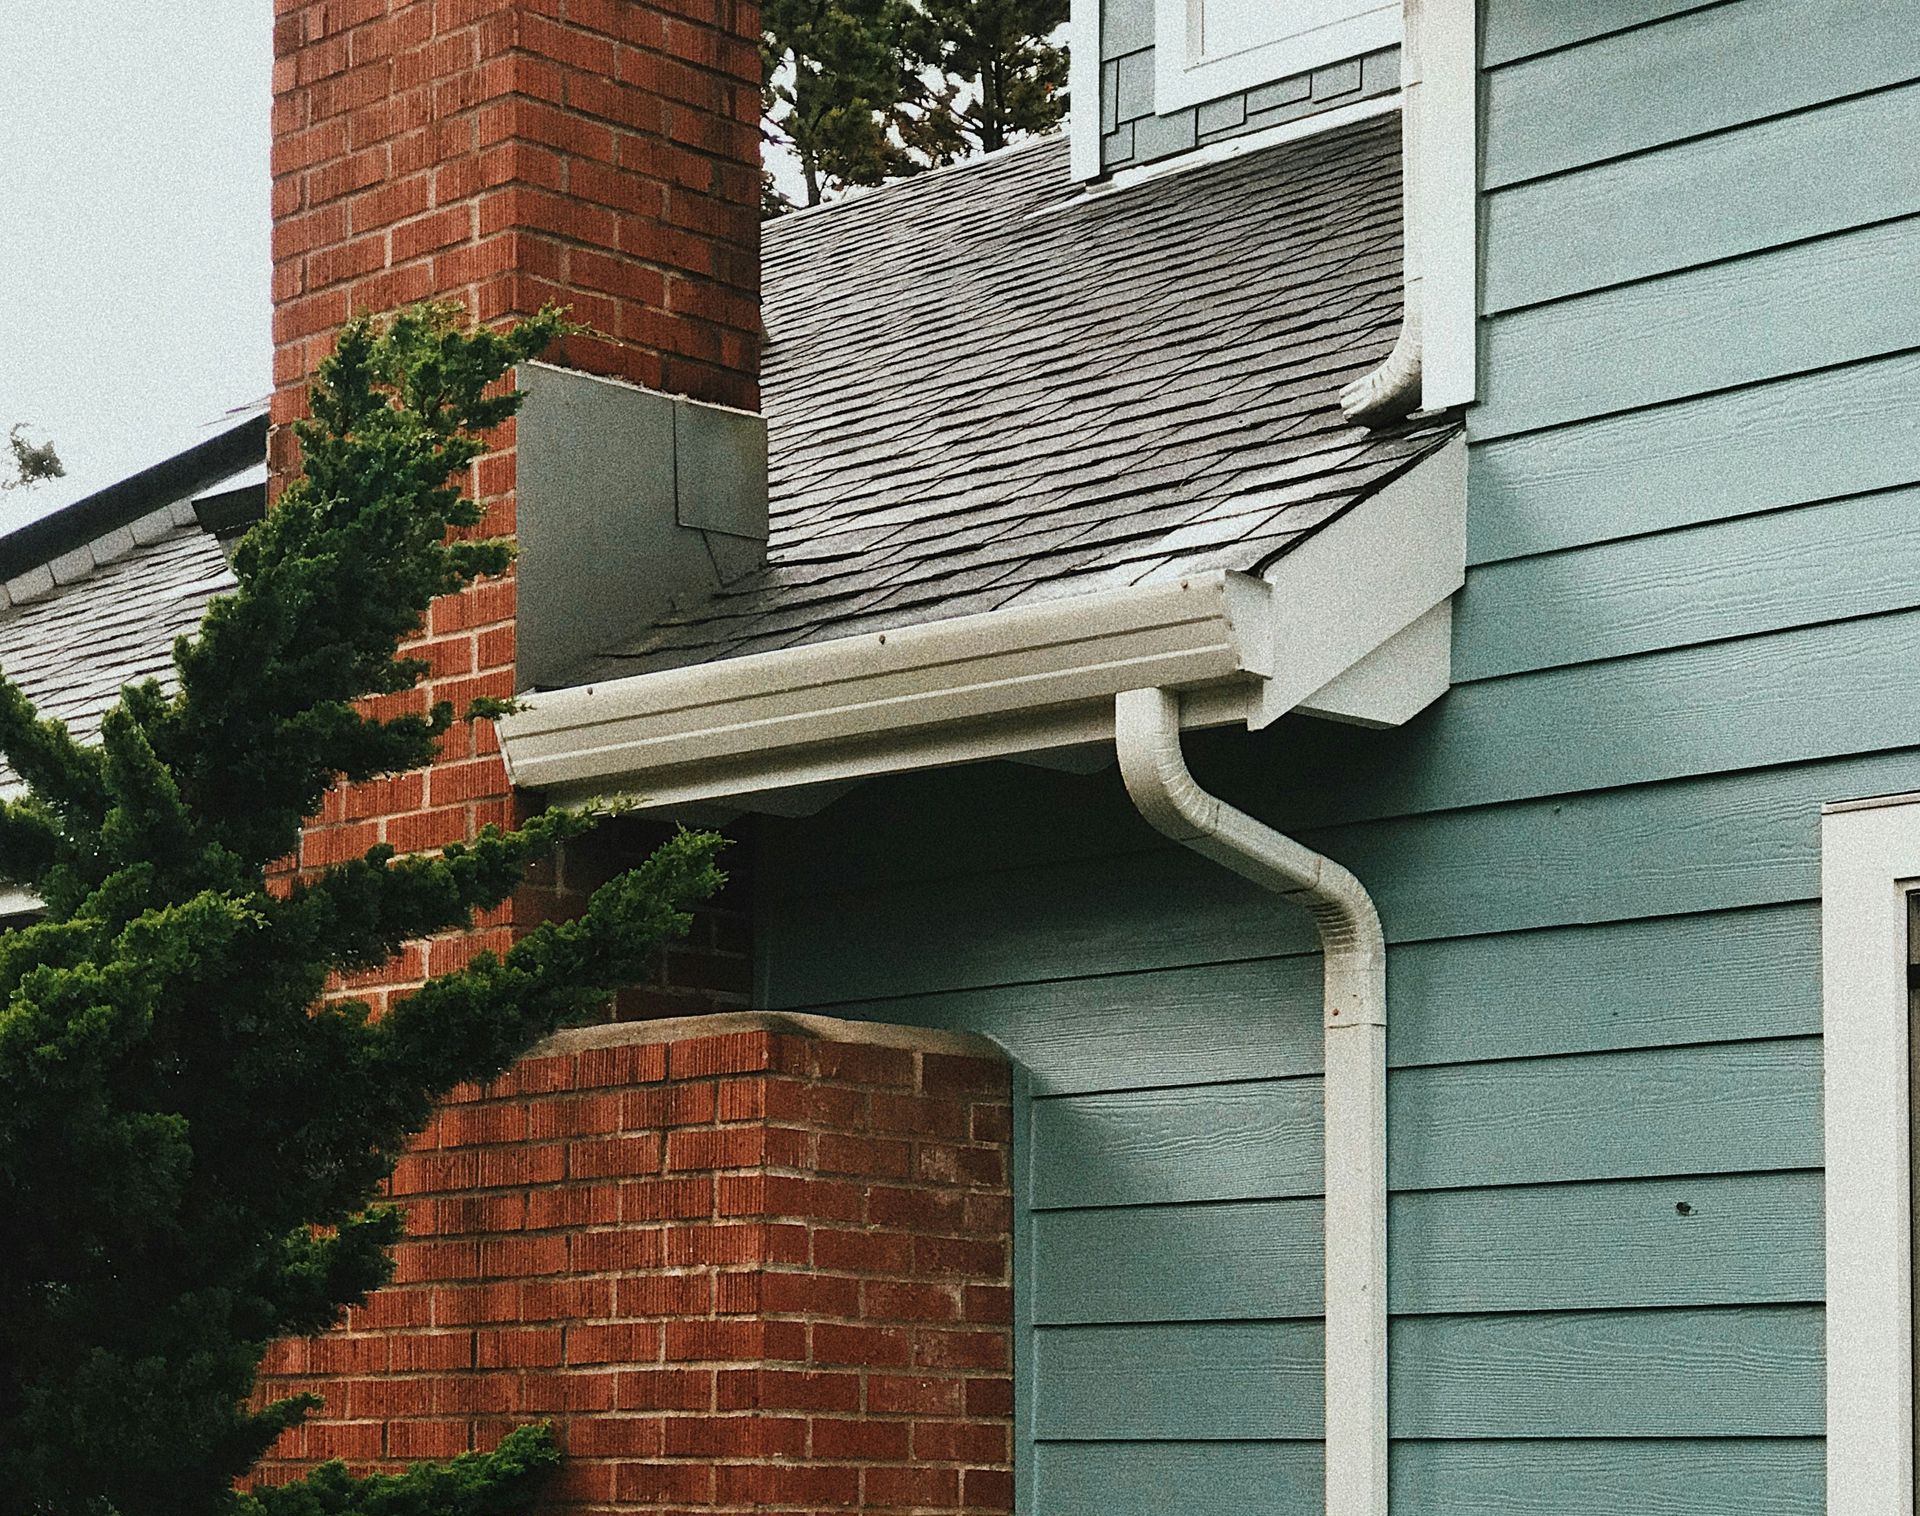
(95,593)
(988,387)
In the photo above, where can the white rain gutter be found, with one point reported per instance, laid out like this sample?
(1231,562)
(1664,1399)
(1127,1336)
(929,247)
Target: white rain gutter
(1147,732)
(1433,363)
(1353,624)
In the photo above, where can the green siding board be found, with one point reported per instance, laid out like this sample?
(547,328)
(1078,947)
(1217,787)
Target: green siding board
(1788,696)
(1248,1260)
(1796,308)
(1732,1372)
(1721,1108)
(1717,1372)
(1713,844)
(1188,1478)
(1699,72)
(1663,981)
(1200,1142)
(1779,181)
(1745,1239)
(1658,982)
(1512,29)
(1816,436)
(1831,691)
(1596,1477)
(1203,1381)
(1732,578)
(1534,1477)
(1252,1020)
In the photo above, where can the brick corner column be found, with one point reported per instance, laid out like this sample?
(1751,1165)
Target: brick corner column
(742,1263)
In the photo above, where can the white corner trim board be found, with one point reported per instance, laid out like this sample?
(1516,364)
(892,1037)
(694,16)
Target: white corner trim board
(1242,649)
(1869,860)
(1434,361)
(1147,734)
(1083,90)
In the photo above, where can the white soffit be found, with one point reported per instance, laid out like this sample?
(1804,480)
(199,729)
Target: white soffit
(1030,680)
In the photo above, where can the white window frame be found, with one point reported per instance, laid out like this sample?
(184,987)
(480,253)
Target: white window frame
(1327,31)
(1869,861)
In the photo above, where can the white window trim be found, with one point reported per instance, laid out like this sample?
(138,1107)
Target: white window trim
(1331,31)
(1870,858)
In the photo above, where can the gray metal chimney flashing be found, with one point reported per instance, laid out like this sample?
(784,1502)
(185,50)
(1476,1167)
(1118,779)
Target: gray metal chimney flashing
(630,503)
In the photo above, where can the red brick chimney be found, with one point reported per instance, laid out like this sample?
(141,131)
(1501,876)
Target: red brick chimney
(739,1273)
(599,154)
(603,154)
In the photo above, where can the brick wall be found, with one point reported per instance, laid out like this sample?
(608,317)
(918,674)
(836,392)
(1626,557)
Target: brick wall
(746,1263)
(601,154)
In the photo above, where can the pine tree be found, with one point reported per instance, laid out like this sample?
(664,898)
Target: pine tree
(835,75)
(191,1133)
(1000,76)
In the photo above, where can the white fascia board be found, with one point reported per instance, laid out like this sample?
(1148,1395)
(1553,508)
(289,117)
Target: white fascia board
(1040,679)
(1358,583)
(1869,860)
(983,686)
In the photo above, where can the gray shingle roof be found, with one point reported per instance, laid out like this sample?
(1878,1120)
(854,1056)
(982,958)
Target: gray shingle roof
(95,593)
(985,388)
(73,648)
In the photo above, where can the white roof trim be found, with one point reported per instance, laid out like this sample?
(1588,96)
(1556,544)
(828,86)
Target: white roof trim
(1015,682)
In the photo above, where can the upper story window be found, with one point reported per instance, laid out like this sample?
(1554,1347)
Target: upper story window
(1204,49)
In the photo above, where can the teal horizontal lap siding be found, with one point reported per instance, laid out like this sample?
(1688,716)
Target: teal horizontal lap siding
(1515,29)
(1725,842)
(1845,164)
(1535,1477)
(1704,70)
(1818,436)
(1835,300)
(1720,1372)
(1712,1108)
(1692,617)
(1644,983)
(1688,1240)
(1722,580)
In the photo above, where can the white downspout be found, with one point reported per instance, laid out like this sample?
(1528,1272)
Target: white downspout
(1147,727)
(1393,389)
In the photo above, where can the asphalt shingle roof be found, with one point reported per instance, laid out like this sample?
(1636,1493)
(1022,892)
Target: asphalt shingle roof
(986,387)
(93,595)
(72,649)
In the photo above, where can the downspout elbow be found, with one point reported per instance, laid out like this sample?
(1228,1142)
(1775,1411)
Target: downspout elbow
(1171,800)
(1393,390)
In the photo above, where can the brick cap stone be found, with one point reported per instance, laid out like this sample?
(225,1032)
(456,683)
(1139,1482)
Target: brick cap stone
(914,1039)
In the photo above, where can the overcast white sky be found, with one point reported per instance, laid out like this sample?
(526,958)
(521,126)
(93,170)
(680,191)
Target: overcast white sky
(134,274)
(133,237)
